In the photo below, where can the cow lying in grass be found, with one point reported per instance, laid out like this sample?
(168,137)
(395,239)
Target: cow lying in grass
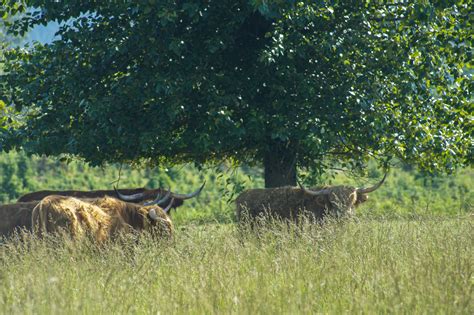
(102,218)
(18,216)
(292,202)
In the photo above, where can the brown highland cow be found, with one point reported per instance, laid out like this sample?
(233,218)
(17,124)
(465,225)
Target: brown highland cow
(102,218)
(292,202)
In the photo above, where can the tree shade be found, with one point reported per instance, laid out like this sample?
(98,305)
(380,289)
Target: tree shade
(284,83)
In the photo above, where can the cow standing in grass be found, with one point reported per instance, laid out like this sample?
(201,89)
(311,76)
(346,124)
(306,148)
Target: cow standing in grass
(292,202)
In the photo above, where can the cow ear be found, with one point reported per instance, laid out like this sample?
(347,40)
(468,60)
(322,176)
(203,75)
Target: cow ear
(152,215)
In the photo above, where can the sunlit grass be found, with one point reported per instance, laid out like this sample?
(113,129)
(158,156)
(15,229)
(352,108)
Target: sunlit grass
(415,265)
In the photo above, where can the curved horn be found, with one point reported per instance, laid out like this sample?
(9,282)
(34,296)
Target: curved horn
(315,193)
(190,195)
(168,207)
(371,189)
(134,197)
(158,200)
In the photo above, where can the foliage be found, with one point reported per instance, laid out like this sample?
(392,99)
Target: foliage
(421,265)
(8,116)
(288,83)
(2,115)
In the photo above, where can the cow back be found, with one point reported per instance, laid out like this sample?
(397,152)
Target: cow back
(39,195)
(71,215)
(292,202)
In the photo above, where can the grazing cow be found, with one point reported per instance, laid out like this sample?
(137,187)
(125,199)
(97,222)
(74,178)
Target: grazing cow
(15,216)
(291,202)
(102,218)
(138,195)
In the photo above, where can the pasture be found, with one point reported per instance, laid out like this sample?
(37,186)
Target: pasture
(164,97)
(409,250)
(371,265)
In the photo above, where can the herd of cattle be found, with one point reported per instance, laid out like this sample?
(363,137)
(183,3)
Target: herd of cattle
(100,213)
(104,214)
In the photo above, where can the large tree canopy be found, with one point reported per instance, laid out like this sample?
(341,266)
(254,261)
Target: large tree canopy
(286,83)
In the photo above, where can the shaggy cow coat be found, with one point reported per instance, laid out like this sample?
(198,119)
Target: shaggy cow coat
(102,218)
(292,202)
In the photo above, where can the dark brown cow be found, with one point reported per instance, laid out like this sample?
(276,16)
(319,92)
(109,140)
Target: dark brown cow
(159,195)
(291,202)
(137,195)
(15,216)
(38,195)
(102,218)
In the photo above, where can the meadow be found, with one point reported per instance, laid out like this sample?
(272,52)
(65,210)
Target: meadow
(277,84)
(417,265)
(409,250)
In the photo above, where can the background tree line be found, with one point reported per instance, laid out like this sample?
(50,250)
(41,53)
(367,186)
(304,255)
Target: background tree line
(406,191)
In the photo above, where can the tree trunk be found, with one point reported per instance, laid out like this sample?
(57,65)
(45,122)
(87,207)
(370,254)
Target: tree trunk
(280,166)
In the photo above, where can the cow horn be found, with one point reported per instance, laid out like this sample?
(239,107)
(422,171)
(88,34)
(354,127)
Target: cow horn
(371,189)
(315,193)
(134,197)
(190,195)
(154,216)
(158,200)
(168,207)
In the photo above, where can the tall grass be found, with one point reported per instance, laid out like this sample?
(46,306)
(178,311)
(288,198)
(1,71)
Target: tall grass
(409,251)
(396,265)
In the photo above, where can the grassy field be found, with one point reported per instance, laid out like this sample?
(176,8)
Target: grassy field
(401,265)
(409,250)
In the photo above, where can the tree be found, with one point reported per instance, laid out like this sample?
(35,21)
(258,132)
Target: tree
(287,83)
(6,42)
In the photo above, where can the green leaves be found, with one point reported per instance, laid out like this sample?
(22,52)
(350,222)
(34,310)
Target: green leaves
(185,81)
(3,116)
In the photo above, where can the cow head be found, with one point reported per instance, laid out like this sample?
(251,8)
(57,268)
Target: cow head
(159,196)
(138,217)
(345,197)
